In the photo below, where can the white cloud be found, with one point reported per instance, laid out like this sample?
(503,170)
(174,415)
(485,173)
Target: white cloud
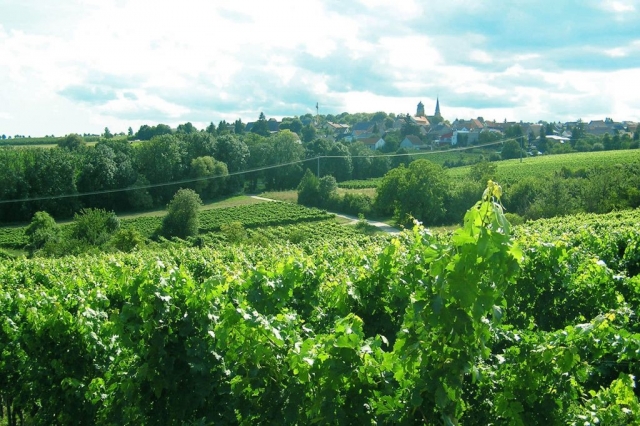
(481,56)
(248,54)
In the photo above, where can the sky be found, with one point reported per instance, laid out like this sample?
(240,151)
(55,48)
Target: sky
(78,66)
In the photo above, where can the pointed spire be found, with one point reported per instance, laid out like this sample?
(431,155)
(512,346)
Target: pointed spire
(437,113)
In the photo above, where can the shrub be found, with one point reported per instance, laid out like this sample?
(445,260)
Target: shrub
(127,239)
(182,215)
(94,226)
(234,232)
(42,229)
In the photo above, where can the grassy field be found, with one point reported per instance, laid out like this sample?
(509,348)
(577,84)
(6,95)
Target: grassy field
(514,170)
(292,195)
(286,196)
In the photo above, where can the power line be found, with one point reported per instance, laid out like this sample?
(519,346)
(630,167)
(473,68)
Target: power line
(243,172)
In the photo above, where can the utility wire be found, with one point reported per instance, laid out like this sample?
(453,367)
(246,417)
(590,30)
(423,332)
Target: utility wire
(243,172)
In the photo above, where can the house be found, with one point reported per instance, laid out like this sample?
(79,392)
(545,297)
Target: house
(274,125)
(557,138)
(469,137)
(531,128)
(494,125)
(412,142)
(421,121)
(446,139)
(337,128)
(436,132)
(363,127)
(599,127)
(373,143)
(364,136)
(467,125)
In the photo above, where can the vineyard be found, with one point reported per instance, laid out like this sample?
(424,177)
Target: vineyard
(482,326)
(360,183)
(511,171)
(250,216)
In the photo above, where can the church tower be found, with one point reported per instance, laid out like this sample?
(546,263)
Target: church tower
(437,113)
(420,111)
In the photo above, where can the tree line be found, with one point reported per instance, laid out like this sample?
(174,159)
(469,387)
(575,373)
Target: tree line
(121,176)
(424,191)
(156,161)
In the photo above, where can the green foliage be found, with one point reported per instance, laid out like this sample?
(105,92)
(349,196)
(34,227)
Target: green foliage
(309,190)
(234,232)
(309,133)
(41,230)
(474,327)
(181,219)
(261,127)
(511,149)
(483,171)
(72,142)
(327,187)
(417,191)
(127,240)
(211,173)
(94,226)
(360,184)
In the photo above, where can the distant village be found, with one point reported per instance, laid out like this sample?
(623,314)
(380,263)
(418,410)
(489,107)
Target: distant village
(434,131)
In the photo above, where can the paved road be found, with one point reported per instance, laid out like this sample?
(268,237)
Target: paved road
(381,225)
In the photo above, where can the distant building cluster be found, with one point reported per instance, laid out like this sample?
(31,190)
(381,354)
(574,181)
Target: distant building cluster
(425,132)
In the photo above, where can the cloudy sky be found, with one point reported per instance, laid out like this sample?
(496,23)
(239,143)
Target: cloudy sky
(80,65)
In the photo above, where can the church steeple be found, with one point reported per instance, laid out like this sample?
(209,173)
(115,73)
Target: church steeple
(437,113)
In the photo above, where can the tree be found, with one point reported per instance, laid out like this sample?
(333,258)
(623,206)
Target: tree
(542,142)
(53,172)
(577,132)
(223,127)
(104,169)
(361,160)
(238,127)
(261,127)
(487,136)
(186,128)
(511,149)
(607,142)
(198,144)
(145,132)
(308,133)
(211,172)
(211,129)
(94,226)
(182,215)
(285,150)
(41,230)
(130,132)
(309,190)
(340,166)
(392,141)
(327,188)
(232,151)
(417,191)
(293,124)
(409,128)
(162,160)
(72,142)
(107,133)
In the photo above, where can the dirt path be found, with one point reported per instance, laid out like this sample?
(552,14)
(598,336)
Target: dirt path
(380,225)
